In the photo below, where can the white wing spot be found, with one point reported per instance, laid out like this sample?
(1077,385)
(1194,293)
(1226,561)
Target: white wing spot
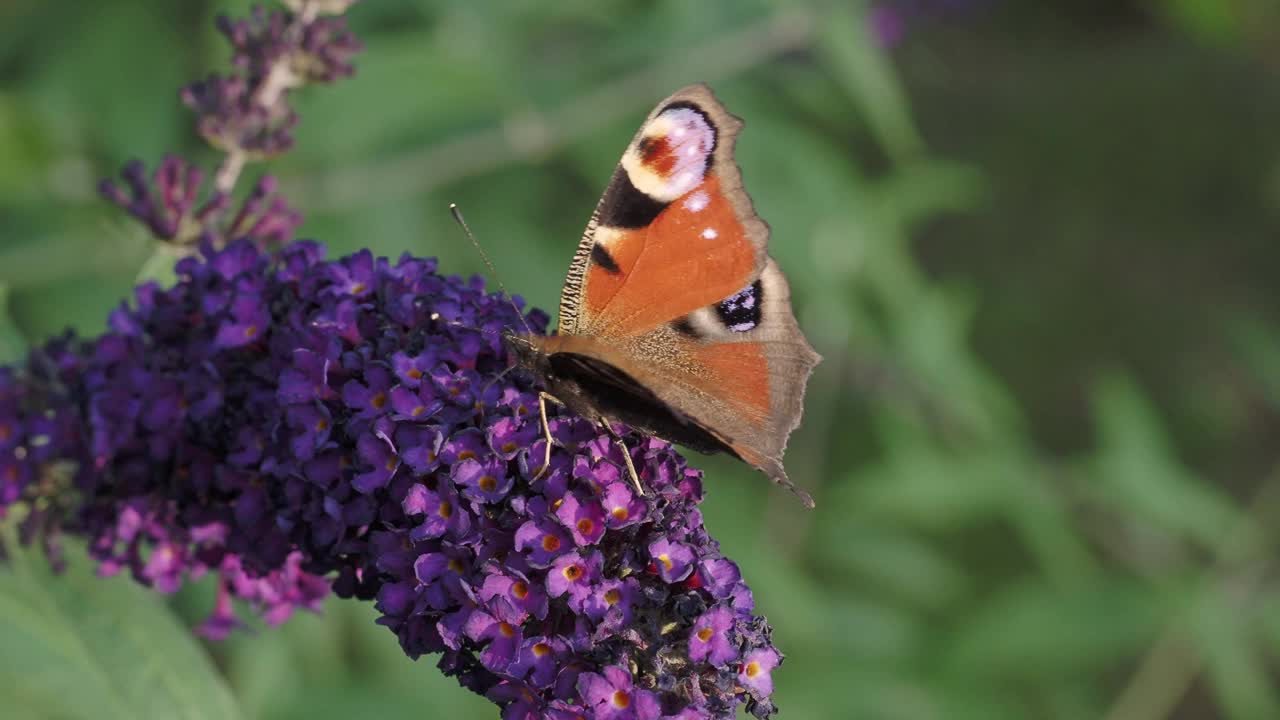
(697,202)
(710,234)
(679,131)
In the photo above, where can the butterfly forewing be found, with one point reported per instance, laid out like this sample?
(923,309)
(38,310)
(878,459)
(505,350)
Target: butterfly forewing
(674,231)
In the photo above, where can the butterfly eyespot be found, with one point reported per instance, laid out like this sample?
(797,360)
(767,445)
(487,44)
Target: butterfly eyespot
(741,311)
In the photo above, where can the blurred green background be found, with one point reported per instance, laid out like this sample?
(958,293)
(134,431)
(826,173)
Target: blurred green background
(1035,242)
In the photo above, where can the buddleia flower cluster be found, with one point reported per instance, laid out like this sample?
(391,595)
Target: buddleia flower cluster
(289,425)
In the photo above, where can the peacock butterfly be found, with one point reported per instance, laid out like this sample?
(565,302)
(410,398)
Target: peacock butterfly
(673,319)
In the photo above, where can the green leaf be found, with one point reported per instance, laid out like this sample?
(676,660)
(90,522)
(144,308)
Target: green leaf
(1037,630)
(895,562)
(868,77)
(1140,474)
(13,346)
(78,646)
(1213,21)
(1257,344)
(159,266)
(1228,640)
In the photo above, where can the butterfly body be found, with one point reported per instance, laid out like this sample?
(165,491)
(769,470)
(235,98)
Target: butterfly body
(674,319)
(601,391)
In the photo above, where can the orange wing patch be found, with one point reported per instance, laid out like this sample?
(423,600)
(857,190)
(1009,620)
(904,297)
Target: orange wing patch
(695,252)
(739,373)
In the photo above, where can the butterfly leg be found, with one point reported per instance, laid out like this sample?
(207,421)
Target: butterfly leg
(626,455)
(543,397)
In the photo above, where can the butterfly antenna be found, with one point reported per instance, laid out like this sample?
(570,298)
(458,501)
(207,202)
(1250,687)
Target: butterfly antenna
(457,215)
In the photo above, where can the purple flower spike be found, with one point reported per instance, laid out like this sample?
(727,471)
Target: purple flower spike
(231,120)
(322,54)
(285,466)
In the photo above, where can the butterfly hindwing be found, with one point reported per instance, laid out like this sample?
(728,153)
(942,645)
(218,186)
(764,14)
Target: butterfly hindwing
(736,369)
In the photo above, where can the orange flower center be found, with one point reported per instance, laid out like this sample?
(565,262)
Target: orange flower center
(586,526)
(665,559)
(392,463)
(573,572)
(620,513)
(620,699)
(612,597)
(251,332)
(445,510)
(455,565)
(418,410)
(414,373)
(357,288)
(488,483)
(509,447)
(322,425)
(520,590)
(550,543)
(541,650)
(506,630)
(379,401)
(466,455)
(705,634)
(752,669)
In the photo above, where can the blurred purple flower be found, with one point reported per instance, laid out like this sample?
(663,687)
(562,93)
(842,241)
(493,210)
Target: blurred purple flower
(167,205)
(317,51)
(889,21)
